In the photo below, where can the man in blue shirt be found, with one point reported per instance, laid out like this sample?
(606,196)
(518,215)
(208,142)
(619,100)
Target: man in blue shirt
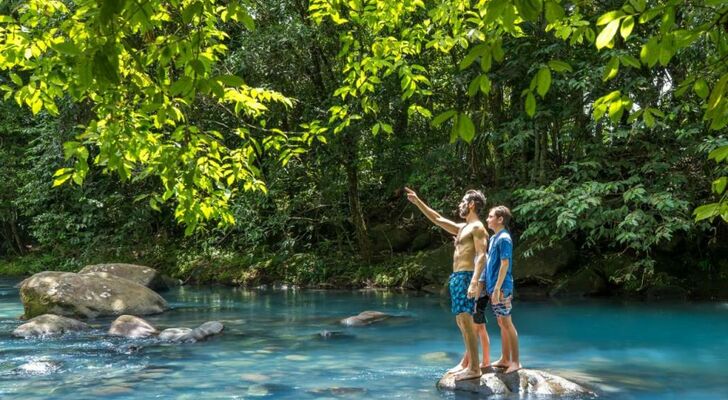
(498,280)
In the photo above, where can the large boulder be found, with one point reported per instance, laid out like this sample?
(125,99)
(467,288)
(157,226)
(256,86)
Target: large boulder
(524,382)
(365,318)
(585,282)
(140,274)
(87,295)
(48,325)
(132,327)
(544,263)
(187,335)
(387,237)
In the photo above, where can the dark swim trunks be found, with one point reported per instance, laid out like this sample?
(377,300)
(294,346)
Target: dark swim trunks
(459,282)
(479,312)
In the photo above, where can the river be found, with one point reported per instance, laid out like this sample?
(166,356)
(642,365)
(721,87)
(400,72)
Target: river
(272,348)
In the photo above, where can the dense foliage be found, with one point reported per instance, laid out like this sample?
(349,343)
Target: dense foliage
(600,122)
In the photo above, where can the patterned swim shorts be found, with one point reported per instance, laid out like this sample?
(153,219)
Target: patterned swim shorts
(459,282)
(503,309)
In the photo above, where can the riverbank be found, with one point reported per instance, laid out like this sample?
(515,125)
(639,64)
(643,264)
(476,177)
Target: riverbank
(557,272)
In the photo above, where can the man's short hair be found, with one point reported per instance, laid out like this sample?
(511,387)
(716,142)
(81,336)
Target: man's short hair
(476,197)
(504,212)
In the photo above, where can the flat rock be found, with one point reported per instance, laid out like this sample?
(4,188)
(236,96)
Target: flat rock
(87,295)
(48,325)
(524,382)
(140,274)
(132,327)
(188,335)
(365,318)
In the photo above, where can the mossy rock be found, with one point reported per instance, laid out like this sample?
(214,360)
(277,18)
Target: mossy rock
(544,263)
(585,282)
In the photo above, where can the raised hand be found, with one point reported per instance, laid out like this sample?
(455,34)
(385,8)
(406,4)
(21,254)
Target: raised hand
(411,195)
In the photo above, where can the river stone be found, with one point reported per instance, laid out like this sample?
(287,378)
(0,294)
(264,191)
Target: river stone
(48,325)
(140,274)
(187,335)
(87,295)
(365,318)
(523,382)
(131,327)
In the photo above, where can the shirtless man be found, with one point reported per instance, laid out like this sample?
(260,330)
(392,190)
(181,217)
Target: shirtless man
(468,262)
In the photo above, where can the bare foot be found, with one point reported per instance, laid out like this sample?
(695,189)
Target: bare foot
(513,367)
(456,369)
(500,363)
(484,365)
(467,374)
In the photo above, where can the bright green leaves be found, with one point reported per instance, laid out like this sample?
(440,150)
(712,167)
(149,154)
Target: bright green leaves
(462,125)
(541,84)
(143,67)
(613,104)
(606,36)
(719,208)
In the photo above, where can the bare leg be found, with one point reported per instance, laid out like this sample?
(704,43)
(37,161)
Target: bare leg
(465,321)
(485,344)
(505,360)
(510,330)
(463,364)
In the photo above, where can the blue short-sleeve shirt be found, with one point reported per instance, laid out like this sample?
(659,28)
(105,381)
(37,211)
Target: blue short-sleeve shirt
(499,248)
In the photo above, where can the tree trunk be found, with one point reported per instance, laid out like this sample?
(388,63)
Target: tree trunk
(352,183)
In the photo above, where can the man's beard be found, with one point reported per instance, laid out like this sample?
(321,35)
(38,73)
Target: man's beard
(463,212)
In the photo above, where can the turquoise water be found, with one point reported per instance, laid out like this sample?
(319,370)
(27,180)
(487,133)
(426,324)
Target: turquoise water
(271,348)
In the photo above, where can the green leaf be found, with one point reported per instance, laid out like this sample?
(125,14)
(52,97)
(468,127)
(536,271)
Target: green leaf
(442,117)
(648,118)
(494,10)
(230,80)
(719,185)
(609,17)
(544,81)
(485,84)
(701,88)
(638,5)
(627,25)
(607,34)
(474,86)
(16,79)
(650,52)
(554,11)
(530,104)
(560,66)
(706,211)
(630,61)
(529,9)
(67,48)
(612,68)
(720,154)
(466,129)
(182,86)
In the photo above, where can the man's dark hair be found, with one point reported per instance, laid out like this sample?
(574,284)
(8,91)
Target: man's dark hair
(504,212)
(476,197)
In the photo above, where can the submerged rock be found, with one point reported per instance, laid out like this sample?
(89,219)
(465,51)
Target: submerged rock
(523,382)
(365,318)
(328,335)
(38,368)
(187,335)
(87,295)
(48,325)
(140,274)
(132,327)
